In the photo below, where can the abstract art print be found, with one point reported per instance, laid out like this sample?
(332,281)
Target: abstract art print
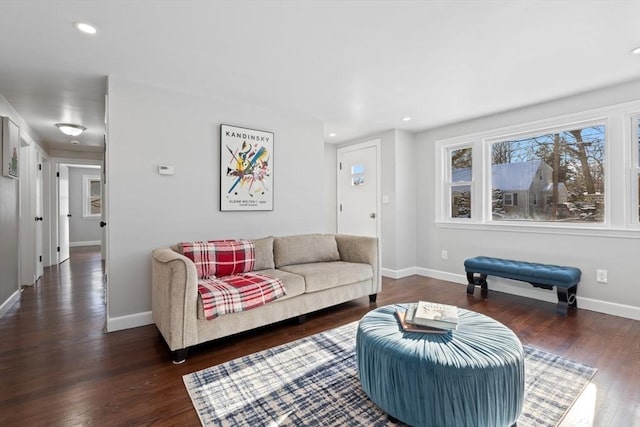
(246,169)
(10,148)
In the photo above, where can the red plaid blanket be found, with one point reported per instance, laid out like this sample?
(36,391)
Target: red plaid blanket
(218,258)
(237,293)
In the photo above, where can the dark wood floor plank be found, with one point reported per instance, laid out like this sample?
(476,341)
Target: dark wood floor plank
(58,367)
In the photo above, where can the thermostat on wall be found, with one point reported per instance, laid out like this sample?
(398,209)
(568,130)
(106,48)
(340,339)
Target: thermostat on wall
(165,169)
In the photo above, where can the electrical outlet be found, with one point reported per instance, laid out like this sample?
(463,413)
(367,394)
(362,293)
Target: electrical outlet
(444,255)
(601,276)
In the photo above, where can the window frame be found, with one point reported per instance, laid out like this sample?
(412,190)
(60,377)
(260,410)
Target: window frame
(450,185)
(87,197)
(621,193)
(634,169)
(513,199)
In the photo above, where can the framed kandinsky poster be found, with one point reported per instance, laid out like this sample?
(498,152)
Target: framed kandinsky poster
(246,169)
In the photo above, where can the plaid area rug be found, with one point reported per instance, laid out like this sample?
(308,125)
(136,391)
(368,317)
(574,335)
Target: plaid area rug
(314,382)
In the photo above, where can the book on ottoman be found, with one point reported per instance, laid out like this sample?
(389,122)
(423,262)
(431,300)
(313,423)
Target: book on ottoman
(433,315)
(410,327)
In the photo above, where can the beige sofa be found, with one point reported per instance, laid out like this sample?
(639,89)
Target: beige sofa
(317,270)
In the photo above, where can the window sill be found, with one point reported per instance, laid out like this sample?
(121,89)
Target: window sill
(567,230)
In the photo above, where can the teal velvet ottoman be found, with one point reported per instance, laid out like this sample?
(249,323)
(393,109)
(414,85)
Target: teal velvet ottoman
(473,376)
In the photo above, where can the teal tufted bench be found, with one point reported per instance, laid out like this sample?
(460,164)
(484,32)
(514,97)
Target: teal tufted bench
(545,276)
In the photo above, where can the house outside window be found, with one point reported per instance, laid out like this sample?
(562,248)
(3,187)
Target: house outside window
(564,168)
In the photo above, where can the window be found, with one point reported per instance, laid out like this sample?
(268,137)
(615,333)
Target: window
(562,168)
(567,173)
(357,175)
(509,199)
(460,181)
(91,196)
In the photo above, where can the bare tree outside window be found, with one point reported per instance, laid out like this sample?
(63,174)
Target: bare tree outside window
(556,176)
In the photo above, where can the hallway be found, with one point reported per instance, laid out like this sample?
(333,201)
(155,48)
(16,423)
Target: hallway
(73,290)
(58,367)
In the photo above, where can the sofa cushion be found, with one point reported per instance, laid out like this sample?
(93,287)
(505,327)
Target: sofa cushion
(304,249)
(325,275)
(219,258)
(293,284)
(264,253)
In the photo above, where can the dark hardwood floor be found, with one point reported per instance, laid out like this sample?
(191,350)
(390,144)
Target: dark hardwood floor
(59,368)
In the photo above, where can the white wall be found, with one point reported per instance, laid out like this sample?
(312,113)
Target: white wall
(81,230)
(10,221)
(149,126)
(408,170)
(388,219)
(617,254)
(8,237)
(330,188)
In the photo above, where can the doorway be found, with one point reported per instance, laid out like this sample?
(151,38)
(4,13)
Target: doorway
(78,207)
(359,188)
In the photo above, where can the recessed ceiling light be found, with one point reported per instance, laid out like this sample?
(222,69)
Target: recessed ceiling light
(636,51)
(70,129)
(406,119)
(86,28)
(332,135)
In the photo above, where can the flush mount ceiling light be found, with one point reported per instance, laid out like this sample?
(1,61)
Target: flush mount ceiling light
(85,28)
(332,134)
(70,129)
(635,51)
(406,119)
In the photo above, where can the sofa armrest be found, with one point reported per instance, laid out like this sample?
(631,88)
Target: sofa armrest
(174,296)
(364,250)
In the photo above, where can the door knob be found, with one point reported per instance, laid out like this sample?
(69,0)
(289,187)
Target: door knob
(372,215)
(38,218)
(102,224)
(68,215)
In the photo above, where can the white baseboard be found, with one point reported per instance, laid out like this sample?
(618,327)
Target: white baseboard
(442,275)
(129,321)
(525,290)
(15,297)
(612,308)
(398,274)
(87,243)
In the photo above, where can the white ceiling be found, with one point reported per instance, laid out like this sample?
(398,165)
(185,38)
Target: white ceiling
(359,66)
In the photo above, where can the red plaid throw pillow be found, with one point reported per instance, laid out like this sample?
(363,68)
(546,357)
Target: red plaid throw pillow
(219,258)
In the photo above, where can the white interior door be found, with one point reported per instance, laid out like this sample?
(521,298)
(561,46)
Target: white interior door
(63,213)
(39,213)
(26,229)
(48,219)
(358,190)
(103,215)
